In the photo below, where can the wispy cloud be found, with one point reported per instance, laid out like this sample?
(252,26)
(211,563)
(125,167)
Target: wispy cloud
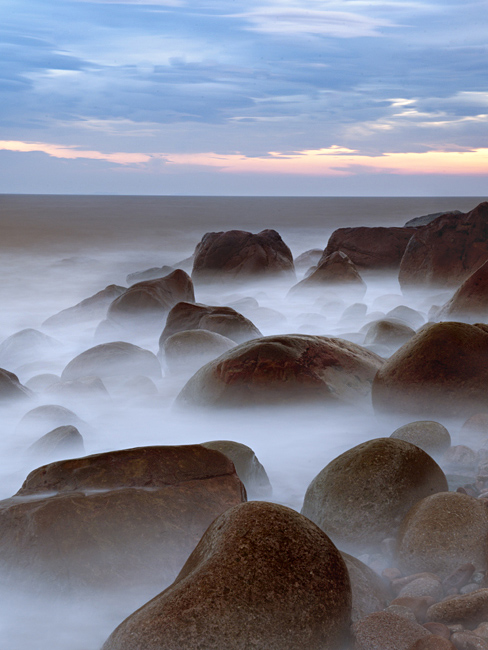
(72,152)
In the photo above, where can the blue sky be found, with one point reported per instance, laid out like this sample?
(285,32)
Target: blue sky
(260,97)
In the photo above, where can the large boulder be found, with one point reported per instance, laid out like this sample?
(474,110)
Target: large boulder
(441,371)
(334,271)
(147,303)
(442,532)
(91,309)
(470,302)
(283,370)
(236,255)
(222,320)
(114,359)
(123,518)
(446,251)
(262,577)
(360,498)
(376,248)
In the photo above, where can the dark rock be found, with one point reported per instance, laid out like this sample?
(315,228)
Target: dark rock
(153,273)
(222,320)
(113,360)
(262,576)
(442,532)
(236,255)
(334,271)
(440,371)
(428,218)
(282,370)
(92,308)
(430,436)
(387,331)
(445,252)
(375,248)
(361,496)
(307,259)
(470,302)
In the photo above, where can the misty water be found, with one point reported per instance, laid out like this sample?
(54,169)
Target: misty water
(57,250)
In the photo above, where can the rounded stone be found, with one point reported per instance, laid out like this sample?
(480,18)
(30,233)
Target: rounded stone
(430,436)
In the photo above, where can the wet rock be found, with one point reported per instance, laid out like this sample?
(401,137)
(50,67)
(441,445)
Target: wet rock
(283,370)
(192,349)
(375,248)
(239,589)
(113,360)
(442,532)
(334,271)
(369,593)
(91,309)
(239,255)
(124,518)
(430,436)
(470,302)
(445,252)
(145,304)
(360,497)
(153,273)
(388,332)
(58,443)
(222,320)
(470,610)
(386,631)
(247,465)
(26,345)
(11,389)
(440,371)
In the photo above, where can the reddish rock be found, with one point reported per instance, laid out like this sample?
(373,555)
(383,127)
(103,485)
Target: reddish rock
(284,369)
(151,300)
(442,532)
(439,629)
(386,631)
(433,642)
(262,576)
(334,271)
(236,255)
(360,497)
(416,604)
(445,252)
(440,371)
(470,302)
(459,577)
(375,248)
(387,331)
(468,641)
(127,518)
(222,320)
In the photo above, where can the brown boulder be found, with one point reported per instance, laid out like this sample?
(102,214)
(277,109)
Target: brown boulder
(442,532)
(113,360)
(433,642)
(375,248)
(386,631)
(470,302)
(469,609)
(222,320)
(124,518)
(430,436)
(236,255)
(262,577)
(446,251)
(387,331)
(360,497)
(283,370)
(334,271)
(440,371)
(147,303)
(92,308)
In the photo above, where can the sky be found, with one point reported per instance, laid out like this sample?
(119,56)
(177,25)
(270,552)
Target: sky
(263,97)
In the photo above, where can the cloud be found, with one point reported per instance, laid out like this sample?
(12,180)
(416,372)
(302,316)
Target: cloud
(72,152)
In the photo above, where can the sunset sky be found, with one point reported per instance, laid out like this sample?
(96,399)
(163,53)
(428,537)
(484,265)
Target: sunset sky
(264,97)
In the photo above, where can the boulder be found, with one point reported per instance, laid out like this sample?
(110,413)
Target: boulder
(11,389)
(26,346)
(113,360)
(446,251)
(236,255)
(387,331)
(282,370)
(147,303)
(91,309)
(387,631)
(376,248)
(191,349)
(222,320)
(247,465)
(58,443)
(334,271)
(407,315)
(78,389)
(430,436)
(470,302)
(126,518)
(262,576)
(307,259)
(468,609)
(441,371)
(369,592)
(442,532)
(428,218)
(361,497)
(153,273)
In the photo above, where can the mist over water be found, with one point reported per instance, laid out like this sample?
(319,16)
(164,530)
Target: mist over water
(57,251)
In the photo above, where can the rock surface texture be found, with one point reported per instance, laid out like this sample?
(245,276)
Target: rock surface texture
(470,302)
(262,577)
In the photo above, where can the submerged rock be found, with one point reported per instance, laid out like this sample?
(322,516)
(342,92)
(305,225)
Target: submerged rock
(26,346)
(60,442)
(149,274)
(285,369)
(11,389)
(262,576)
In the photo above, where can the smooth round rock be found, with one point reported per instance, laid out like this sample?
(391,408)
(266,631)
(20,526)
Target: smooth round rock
(194,348)
(470,609)
(386,631)
(430,436)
